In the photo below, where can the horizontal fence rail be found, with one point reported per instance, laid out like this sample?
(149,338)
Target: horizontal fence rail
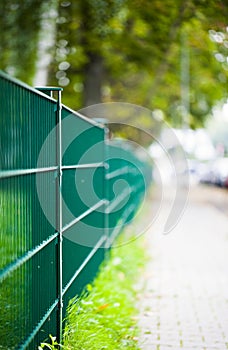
(66,191)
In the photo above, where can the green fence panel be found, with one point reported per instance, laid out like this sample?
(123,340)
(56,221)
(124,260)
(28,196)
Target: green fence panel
(127,181)
(84,201)
(28,276)
(65,194)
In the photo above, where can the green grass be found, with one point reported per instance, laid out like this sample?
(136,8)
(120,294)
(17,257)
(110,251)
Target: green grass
(104,317)
(14,289)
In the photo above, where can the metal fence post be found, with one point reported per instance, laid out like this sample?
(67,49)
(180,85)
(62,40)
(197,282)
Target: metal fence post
(59,226)
(106,186)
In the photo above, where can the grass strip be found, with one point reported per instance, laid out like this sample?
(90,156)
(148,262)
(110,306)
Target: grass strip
(105,315)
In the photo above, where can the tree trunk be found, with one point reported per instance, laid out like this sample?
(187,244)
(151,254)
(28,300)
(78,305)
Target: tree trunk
(93,80)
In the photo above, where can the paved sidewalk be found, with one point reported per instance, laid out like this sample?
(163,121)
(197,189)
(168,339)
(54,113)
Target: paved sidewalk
(184,304)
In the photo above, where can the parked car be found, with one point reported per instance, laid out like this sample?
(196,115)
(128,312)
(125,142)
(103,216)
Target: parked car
(215,172)
(220,172)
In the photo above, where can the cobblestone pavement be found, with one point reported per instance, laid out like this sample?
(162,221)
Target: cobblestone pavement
(184,303)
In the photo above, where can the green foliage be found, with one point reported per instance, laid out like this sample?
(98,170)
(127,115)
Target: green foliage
(19,26)
(139,43)
(14,239)
(54,344)
(122,50)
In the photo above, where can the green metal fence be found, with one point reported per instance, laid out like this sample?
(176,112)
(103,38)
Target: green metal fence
(66,191)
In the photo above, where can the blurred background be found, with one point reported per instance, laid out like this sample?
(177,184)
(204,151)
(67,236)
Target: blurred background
(158,71)
(169,57)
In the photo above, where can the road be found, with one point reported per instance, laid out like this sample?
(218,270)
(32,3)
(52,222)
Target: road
(184,302)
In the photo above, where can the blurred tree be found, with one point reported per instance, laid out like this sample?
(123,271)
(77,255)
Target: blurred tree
(124,50)
(82,29)
(156,82)
(130,51)
(19,27)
